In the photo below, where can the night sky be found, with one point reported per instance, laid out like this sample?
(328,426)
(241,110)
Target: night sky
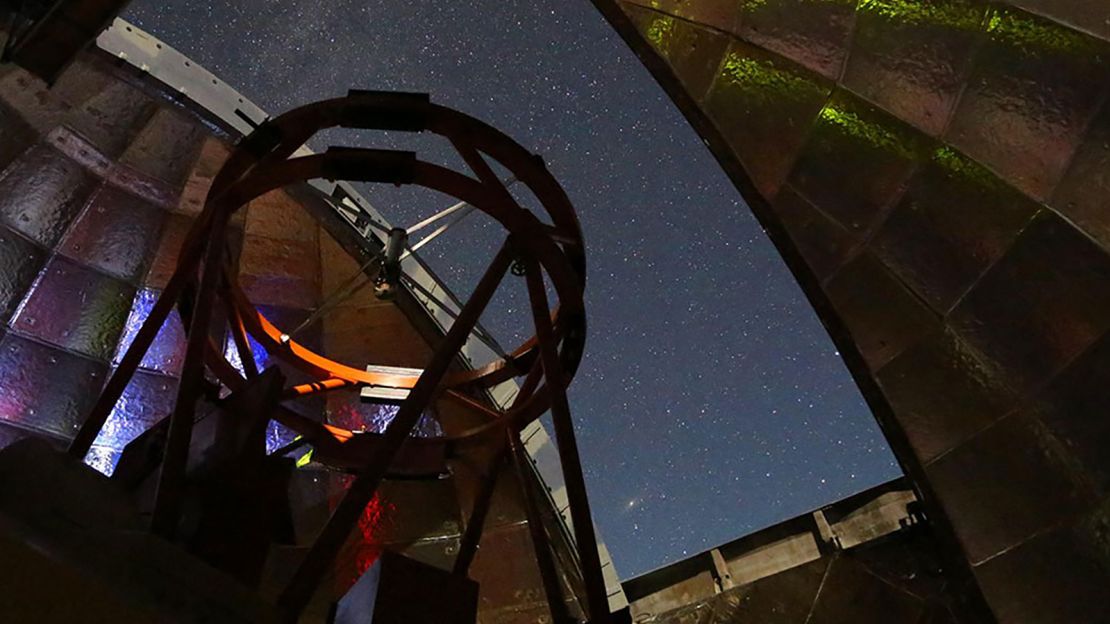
(711,402)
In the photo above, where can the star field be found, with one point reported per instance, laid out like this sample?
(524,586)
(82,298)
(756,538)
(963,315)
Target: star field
(711,402)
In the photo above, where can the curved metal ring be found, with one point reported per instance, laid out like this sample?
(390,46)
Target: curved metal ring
(251,172)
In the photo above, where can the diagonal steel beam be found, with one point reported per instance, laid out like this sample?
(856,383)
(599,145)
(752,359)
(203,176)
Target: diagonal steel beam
(171,479)
(321,556)
(585,539)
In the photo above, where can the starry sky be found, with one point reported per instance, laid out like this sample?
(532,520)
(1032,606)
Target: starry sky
(711,402)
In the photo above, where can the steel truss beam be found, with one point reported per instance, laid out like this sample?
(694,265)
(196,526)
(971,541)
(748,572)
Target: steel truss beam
(263,162)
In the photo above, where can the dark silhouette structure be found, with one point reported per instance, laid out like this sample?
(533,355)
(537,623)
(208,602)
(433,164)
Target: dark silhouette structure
(282,391)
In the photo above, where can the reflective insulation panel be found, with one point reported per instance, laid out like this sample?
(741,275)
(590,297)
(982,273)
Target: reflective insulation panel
(167,352)
(117,233)
(77,308)
(147,399)
(42,192)
(20,262)
(935,174)
(46,389)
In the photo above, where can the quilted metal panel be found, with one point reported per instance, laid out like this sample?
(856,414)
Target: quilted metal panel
(280,272)
(117,233)
(165,148)
(278,216)
(213,153)
(1091,16)
(439,552)
(174,231)
(1014,450)
(417,510)
(764,107)
(814,33)
(883,315)
(955,221)
(10,435)
(1057,577)
(694,52)
(16,136)
(46,107)
(111,118)
(505,568)
(911,57)
(146,400)
(824,243)
(167,352)
(1081,195)
(345,409)
(856,162)
(1034,88)
(336,268)
(432,536)
(103,459)
(261,357)
(918,207)
(378,332)
(718,14)
(1031,321)
(76,308)
(944,393)
(278,435)
(27,95)
(44,388)
(506,507)
(42,192)
(20,261)
(1073,407)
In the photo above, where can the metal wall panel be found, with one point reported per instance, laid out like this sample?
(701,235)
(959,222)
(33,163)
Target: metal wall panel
(42,192)
(954,221)
(117,233)
(46,389)
(1032,90)
(935,174)
(813,34)
(84,205)
(20,262)
(764,105)
(911,64)
(167,352)
(147,399)
(76,308)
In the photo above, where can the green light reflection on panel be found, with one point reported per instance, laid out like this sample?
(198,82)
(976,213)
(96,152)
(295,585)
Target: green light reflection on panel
(764,81)
(961,167)
(305,459)
(660,32)
(1036,36)
(758,5)
(107,308)
(955,15)
(866,131)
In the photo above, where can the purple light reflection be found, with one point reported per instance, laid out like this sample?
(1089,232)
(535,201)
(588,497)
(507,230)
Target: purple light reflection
(167,352)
